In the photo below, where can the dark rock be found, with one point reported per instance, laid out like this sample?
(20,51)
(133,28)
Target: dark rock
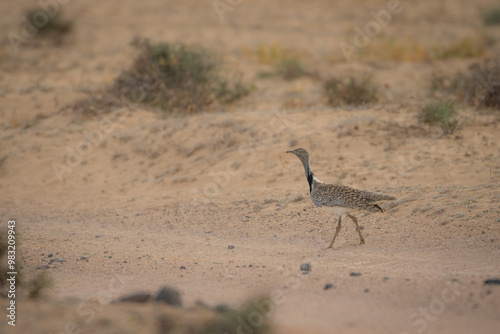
(230,247)
(169,296)
(56,259)
(84,258)
(50,255)
(366,291)
(220,308)
(140,297)
(353,274)
(328,286)
(385,279)
(305,267)
(182,267)
(125,261)
(492,281)
(43,266)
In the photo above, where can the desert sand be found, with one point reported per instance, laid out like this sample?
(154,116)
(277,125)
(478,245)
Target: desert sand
(152,192)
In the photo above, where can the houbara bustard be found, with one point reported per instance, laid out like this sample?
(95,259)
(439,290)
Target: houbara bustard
(342,199)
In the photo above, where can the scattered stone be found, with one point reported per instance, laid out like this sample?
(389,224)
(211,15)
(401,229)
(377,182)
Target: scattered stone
(105,252)
(84,258)
(182,267)
(41,267)
(230,247)
(169,296)
(353,274)
(97,236)
(366,291)
(56,259)
(137,214)
(140,297)
(125,261)
(328,286)
(250,265)
(305,267)
(492,281)
(221,308)
(109,257)
(385,279)
(50,255)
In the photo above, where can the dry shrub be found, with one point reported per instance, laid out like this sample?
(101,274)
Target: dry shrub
(173,77)
(480,86)
(252,317)
(491,16)
(351,90)
(177,77)
(55,28)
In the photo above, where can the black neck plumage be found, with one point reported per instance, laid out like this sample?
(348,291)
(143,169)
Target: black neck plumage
(310,179)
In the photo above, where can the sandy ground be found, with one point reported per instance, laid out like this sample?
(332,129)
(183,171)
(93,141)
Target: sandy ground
(150,192)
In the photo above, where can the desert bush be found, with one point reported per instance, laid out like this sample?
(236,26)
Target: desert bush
(290,69)
(480,86)
(352,90)
(242,319)
(442,113)
(176,77)
(55,27)
(38,284)
(491,17)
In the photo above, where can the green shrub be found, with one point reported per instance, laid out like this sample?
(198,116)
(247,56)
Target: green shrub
(290,69)
(491,17)
(350,90)
(442,113)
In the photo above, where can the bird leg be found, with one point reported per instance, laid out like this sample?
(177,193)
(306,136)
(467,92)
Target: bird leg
(355,220)
(337,230)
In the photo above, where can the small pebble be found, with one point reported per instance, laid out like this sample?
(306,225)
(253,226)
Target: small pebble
(50,255)
(328,286)
(43,266)
(182,267)
(84,258)
(492,281)
(56,259)
(230,247)
(305,267)
(353,274)
(220,308)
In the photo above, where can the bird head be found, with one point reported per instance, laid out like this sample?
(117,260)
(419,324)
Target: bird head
(301,154)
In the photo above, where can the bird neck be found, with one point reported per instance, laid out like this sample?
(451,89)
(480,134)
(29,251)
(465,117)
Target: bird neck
(309,175)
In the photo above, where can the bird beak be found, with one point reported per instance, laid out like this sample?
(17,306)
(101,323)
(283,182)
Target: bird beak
(289,152)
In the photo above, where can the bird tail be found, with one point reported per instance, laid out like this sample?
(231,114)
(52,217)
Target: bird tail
(375,197)
(378,207)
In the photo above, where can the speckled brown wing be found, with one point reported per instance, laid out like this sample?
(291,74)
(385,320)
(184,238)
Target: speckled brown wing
(338,195)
